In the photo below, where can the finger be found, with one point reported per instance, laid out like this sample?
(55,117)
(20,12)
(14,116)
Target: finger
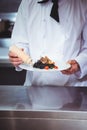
(71,62)
(14,54)
(15,59)
(72,70)
(66,72)
(11,54)
(16,62)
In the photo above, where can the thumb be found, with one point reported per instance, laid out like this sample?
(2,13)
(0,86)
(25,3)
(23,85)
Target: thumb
(71,62)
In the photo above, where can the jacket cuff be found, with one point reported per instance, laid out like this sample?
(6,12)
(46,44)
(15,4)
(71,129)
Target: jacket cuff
(81,60)
(18,68)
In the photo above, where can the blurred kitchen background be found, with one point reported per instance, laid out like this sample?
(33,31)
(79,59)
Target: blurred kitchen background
(15,105)
(8,12)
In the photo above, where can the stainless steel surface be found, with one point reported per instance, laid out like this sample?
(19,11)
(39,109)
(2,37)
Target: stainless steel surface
(10,16)
(13,97)
(57,121)
(16,112)
(4,58)
(5,42)
(4,55)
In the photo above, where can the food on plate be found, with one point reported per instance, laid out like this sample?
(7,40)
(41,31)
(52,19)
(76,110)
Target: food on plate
(21,54)
(45,63)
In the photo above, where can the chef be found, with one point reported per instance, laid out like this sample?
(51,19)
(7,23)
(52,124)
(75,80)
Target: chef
(57,29)
(54,28)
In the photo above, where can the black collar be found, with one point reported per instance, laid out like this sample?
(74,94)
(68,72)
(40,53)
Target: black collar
(54,11)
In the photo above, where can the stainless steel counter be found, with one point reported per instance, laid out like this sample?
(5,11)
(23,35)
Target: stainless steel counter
(4,55)
(16,112)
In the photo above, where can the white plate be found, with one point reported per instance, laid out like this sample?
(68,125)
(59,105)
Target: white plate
(61,66)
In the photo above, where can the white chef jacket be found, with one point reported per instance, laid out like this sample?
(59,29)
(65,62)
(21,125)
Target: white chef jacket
(45,36)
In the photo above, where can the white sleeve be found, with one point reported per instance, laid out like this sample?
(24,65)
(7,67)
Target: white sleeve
(18,69)
(82,57)
(19,33)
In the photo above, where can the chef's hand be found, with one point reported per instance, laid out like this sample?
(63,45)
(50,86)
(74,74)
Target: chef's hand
(74,67)
(14,59)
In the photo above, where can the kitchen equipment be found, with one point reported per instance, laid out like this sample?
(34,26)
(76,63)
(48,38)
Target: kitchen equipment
(6,27)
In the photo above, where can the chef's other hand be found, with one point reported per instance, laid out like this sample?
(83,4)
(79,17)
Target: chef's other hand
(74,67)
(14,59)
